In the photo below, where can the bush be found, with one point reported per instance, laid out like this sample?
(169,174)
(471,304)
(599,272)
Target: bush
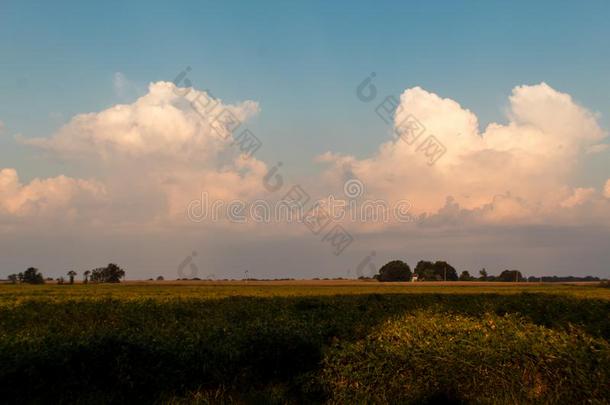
(430,357)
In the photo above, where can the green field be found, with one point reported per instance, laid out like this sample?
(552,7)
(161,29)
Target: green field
(296,342)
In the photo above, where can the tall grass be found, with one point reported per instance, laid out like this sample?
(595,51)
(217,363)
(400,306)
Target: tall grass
(131,347)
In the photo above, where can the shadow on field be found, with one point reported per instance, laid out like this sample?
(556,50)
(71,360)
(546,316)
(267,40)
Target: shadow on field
(251,349)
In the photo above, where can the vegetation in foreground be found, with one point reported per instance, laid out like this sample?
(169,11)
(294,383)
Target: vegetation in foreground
(117,344)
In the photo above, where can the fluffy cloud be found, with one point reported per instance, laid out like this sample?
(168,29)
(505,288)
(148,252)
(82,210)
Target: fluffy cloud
(161,151)
(54,196)
(157,154)
(152,157)
(578,197)
(161,124)
(514,172)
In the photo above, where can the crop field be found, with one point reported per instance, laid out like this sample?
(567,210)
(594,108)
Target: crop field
(304,342)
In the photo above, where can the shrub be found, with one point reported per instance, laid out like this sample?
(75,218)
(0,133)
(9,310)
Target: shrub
(429,357)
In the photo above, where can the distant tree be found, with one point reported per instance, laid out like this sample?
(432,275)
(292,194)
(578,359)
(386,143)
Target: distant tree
(424,271)
(511,275)
(563,279)
(109,274)
(31,276)
(396,270)
(86,274)
(483,274)
(60,280)
(71,274)
(13,278)
(465,276)
(160,278)
(446,271)
(437,271)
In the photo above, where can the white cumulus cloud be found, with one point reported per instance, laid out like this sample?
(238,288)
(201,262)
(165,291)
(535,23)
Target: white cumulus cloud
(518,171)
(159,152)
(59,195)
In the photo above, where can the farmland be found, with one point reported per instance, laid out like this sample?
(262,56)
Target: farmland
(304,341)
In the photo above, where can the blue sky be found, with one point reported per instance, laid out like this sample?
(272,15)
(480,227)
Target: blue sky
(301,61)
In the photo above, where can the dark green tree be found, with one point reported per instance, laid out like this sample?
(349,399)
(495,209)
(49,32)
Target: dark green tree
(445,271)
(86,276)
(71,274)
(31,276)
(465,276)
(109,274)
(13,278)
(437,271)
(483,274)
(424,271)
(396,270)
(511,275)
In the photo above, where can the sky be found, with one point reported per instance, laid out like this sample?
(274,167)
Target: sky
(496,148)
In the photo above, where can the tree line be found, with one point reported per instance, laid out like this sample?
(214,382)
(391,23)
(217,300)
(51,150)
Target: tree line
(397,270)
(112,273)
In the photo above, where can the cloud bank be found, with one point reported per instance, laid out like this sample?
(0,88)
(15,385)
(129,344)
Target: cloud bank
(501,189)
(520,172)
(156,154)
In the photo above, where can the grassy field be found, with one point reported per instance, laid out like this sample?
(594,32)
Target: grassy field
(304,341)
